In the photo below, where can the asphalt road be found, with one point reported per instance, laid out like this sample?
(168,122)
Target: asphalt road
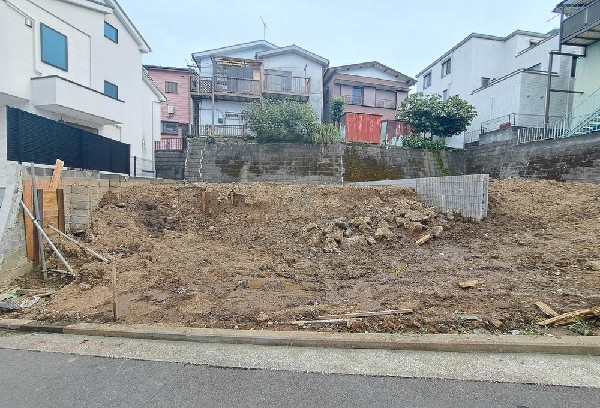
(40,379)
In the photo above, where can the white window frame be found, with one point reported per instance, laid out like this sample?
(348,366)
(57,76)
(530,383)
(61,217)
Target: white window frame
(447,67)
(427,80)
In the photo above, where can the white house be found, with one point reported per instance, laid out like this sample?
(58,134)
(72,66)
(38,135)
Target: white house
(230,76)
(78,63)
(505,78)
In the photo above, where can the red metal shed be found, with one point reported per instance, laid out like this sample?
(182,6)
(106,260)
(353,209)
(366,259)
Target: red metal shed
(361,127)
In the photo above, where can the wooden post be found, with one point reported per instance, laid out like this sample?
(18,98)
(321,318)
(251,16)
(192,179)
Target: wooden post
(204,201)
(39,214)
(60,199)
(114,288)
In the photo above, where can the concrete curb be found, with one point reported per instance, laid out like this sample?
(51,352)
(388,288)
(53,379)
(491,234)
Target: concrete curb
(427,342)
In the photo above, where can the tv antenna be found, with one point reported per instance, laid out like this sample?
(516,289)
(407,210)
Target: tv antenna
(264,28)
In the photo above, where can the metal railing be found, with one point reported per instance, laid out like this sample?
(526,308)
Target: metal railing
(515,119)
(225,85)
(176,143)
(587,18)
(385,103)
(224,130)
(287,84)
(352,99)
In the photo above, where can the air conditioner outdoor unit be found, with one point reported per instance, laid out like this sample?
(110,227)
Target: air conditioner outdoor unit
(170,109)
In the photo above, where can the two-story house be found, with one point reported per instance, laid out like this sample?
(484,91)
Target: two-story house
(504,78)
(230,76)
(367,87)
(580,27)
(72,87)
(175,112)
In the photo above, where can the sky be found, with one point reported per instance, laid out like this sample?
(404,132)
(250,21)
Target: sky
(406,35)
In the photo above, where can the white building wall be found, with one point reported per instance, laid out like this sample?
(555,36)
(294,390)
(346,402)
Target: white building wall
(301,67)
(370,72)
(92,59)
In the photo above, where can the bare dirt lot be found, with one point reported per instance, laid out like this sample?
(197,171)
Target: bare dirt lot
(283,253)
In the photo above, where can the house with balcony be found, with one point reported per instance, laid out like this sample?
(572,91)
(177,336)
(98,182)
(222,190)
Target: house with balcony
(504,78)
(580,27)
(175,111)
(229,77)
(367,87)
(72,86)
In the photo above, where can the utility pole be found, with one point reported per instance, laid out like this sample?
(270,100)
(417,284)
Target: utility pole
(264,28)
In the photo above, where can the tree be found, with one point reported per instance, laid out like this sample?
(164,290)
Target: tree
(281,121)
(429,114)
(336,109)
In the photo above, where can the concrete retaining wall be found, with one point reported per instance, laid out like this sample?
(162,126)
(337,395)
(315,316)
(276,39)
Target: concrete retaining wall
(170,164)
(13,258)
(575,158)
(238,161)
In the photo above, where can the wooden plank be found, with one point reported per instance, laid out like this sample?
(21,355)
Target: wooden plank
(60,201)
(38,208)
(568,317)
(547,310)
(114,289)
(365,314)
(56,179)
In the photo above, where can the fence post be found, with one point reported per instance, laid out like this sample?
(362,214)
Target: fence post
(134,166)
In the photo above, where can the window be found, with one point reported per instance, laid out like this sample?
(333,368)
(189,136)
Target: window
(447,67)
(427,81)
(170,87)
(111,90)
(54,47)
(111,33)
(357,96)
(573,65)
(169,127)
(485,82)
(445,95)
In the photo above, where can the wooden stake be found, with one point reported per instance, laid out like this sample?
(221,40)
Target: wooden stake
(114,289)
(80,245)
(60,201)
(203,201)
(38,205)
(54,248)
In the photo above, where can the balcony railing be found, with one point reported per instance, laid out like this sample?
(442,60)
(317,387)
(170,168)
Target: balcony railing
(176,143)
(353,99)
(385,103)
(583,28)
(225,85)
(224,130)
(287,84)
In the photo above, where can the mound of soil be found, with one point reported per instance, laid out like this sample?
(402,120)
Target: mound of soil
(262,256)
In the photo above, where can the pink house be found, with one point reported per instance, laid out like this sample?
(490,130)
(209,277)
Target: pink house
(174,83)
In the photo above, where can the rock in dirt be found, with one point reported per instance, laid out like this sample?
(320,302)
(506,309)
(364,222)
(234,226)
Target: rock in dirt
(383,231)
(354,241)
(437,230)
(416,216)
(330,245)
(371,241)
(356,326)
(341,224)
(414,227)
(262,317)
(337,235)
(85,286)
(471,283)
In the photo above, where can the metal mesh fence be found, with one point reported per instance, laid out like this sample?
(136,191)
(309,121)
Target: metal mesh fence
(467,195)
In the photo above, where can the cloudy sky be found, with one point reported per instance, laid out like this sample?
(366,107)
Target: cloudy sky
(404,34)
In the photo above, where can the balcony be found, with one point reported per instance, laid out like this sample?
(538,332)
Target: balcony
(583,27)
(226,88)
(285,86)
(385,103)
(224,130)
(68,98)
(353,99)
(170,144)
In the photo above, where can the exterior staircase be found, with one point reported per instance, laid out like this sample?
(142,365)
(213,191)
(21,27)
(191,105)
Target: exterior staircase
(583,119)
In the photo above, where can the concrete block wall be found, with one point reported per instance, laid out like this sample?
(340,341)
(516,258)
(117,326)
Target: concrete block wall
(233,161)
(570,159)
(170,164)
(13,258)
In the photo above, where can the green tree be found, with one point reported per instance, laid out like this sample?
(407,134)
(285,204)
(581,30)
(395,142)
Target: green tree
(281,121)
(336,109)
(430,114)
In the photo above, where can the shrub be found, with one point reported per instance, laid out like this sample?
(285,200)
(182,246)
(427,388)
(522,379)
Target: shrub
(419,142)
(281,121)
(326,133)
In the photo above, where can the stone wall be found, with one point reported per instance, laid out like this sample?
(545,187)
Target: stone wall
(575,158)
(239,161)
